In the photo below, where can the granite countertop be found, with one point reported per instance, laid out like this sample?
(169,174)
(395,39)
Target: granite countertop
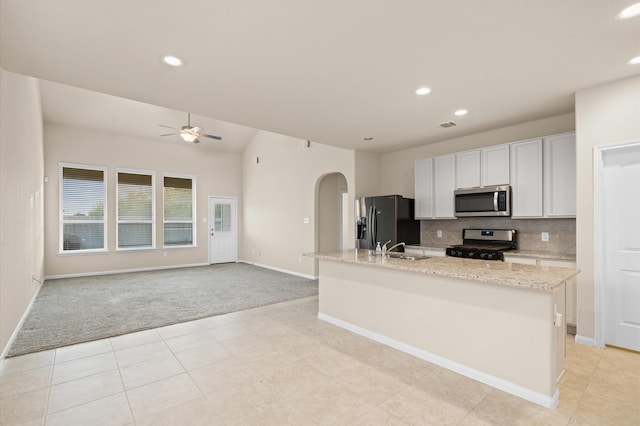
(533,277)
(547,255)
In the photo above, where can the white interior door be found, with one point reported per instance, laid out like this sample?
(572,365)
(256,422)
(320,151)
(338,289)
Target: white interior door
(621,237)
(223,244)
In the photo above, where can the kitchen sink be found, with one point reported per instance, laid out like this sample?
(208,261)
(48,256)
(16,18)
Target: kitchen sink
(406,256)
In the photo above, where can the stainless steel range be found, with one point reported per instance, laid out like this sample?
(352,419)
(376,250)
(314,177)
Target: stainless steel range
(486,244)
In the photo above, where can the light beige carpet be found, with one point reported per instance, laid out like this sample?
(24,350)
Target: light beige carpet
(75,310)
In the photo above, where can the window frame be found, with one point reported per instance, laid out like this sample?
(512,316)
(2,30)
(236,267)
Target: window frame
(193,211)
(118,221)
(62,221)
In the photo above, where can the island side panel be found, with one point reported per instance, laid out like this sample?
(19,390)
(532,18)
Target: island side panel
(561,330)
(505,332)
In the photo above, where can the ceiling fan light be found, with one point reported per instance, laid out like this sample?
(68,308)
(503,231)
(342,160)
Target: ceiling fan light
(630,12)
(174,61)
(188,137)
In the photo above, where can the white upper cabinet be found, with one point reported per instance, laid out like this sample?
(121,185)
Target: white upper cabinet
(483,167)
(560,175)
(541,172)
(435,181)
(468,169)
(526,179)
(444,172)
(495,165)
(424,189)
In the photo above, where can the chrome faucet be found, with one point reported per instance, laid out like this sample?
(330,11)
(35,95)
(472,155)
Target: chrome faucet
(387,250)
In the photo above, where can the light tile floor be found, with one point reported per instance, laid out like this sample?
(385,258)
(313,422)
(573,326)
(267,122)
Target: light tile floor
(279,365)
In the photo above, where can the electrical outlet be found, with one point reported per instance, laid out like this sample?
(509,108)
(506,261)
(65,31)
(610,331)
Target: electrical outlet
(164,253)
(544,236)
(439,233)
(300,259)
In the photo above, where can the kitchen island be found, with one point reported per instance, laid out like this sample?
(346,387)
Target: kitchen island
(499,323)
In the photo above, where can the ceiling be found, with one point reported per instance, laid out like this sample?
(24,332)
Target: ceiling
(330,71)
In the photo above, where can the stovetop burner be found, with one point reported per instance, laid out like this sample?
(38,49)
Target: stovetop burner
(487,244)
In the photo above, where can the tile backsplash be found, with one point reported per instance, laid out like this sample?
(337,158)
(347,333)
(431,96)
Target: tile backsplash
(562,232)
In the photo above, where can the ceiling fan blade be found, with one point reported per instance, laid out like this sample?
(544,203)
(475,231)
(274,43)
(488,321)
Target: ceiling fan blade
(218,138)
(168,127)
(169,134)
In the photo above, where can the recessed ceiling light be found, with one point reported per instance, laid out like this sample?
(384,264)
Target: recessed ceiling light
(461,112)
(635,61)
(630,12)
(367,139)
(423,91)
(172,60)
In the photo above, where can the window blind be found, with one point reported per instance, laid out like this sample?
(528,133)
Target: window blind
(83,208)
(178,211)
(135,193)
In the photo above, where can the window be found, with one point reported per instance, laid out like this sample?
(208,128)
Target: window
(135,207)
(179,211)
(222,218)
(82,208)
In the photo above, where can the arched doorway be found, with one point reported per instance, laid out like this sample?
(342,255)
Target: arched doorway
(332,230)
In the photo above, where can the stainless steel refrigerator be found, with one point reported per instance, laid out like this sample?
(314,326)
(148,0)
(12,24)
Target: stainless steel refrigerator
(384,218)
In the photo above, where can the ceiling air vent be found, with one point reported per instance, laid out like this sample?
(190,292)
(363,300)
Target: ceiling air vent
(447,124)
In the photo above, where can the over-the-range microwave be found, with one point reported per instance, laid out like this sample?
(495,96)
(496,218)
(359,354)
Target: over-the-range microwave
(488,201)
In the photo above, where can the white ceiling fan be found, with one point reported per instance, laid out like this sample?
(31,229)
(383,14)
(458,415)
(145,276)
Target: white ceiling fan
(189,133)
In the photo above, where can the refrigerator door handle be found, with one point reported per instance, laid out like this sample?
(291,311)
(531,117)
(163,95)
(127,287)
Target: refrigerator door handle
(374,233)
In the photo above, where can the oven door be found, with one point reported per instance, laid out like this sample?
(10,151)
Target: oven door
(492,201)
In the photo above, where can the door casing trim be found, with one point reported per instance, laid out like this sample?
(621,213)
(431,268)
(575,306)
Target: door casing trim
(599,238)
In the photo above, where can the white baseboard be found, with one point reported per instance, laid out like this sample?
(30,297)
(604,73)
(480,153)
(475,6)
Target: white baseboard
(122,271)
(285,271)
(472,373)
(5,350)
(585,340)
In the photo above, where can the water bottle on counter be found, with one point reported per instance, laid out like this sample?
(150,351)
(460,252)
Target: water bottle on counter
(378,249)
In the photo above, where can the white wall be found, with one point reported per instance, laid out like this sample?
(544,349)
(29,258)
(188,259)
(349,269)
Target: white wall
(608,114)
(217,173)
(398,167)
(329,212)
(280,191)
(369,174)
(21,193)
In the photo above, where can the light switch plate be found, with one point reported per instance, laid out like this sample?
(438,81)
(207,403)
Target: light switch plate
(544,236)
